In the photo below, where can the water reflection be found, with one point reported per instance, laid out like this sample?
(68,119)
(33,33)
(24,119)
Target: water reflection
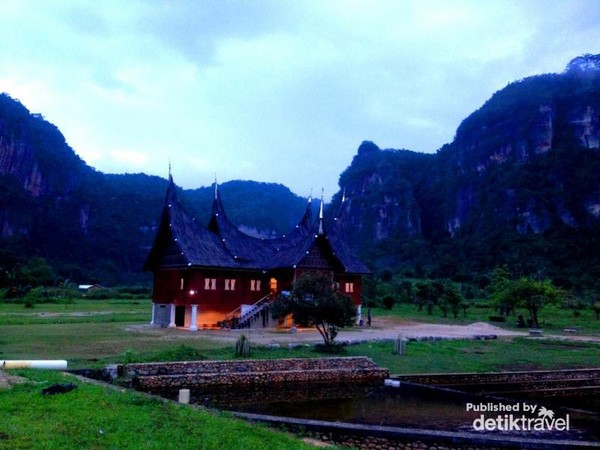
(411,406)
(407,407)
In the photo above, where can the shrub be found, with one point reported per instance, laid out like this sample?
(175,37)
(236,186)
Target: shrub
(388,302)
(101,294)
(334,349)
(35,295)
(242,347)
(181,353)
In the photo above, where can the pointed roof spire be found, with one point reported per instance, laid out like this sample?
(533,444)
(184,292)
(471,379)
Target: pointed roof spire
(321,229)
(341,210)
(218,217)
(170,171)
(216,187)
(171,183)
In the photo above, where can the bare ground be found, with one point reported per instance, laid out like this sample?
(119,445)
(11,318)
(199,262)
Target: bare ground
(385,328)
(7,380)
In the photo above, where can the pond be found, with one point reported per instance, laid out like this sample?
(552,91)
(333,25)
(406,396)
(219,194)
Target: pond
(410,406)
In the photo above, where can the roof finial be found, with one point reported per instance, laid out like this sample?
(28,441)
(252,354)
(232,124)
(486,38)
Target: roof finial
(321,213)
(216,187)
(170,173)
(310,196)
(343,195)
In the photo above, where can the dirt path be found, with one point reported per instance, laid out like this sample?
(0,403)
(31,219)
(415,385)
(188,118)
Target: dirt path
(385,328)
(383,331)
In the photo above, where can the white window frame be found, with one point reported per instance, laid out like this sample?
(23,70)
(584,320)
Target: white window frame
(210,284)
(255,285)
(230,284)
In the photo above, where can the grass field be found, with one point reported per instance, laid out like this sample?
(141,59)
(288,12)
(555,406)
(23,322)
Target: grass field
(79,311)
(95,417)
(554,319)
(93,333)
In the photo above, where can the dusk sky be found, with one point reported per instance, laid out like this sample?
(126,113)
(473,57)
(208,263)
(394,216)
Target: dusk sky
(273,90)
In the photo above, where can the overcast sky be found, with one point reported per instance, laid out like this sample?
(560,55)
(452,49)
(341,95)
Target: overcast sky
(278,91)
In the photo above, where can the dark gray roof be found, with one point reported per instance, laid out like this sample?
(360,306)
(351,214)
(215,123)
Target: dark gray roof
(181,242)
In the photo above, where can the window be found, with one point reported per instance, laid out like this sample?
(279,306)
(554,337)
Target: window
(349,287)
(255,285)
(273,284)
(210,284)
(230,284)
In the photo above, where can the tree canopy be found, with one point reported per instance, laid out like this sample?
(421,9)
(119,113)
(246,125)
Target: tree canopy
(314,301)
(526,293)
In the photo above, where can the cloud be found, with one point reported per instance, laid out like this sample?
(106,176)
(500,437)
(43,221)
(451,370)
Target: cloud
(130,157)
(271,90)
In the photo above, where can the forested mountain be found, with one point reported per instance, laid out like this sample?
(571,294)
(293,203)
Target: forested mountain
(95,227)
(519,185)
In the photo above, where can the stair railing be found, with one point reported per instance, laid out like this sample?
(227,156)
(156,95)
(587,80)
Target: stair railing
(235,317)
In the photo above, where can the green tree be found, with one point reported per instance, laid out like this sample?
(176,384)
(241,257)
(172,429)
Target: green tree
(499,288)
(422,294)
(450,300)
(530,294)
(405,291)
(36,272)
(388,302)
(429,293)
(313,300)
(596,308)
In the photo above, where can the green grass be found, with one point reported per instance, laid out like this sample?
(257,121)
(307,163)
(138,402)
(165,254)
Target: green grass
(553,318)
(95,417)
(95,344)
(450,356)
(89,344)
(79,311)
(443,356)
(60,331)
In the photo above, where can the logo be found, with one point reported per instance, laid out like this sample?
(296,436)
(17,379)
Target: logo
(516,417)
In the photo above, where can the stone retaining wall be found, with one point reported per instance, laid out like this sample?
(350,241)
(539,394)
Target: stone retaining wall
(246,365)
(457,379)
(158,377)
(540,383)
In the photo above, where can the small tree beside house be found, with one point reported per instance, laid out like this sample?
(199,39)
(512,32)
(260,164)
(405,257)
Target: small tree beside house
(313,301)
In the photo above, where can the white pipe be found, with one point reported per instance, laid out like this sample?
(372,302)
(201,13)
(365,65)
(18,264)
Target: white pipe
(59,364)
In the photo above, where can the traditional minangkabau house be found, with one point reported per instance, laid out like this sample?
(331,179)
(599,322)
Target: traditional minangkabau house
(216,276)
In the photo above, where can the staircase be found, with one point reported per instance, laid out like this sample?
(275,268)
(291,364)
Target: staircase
(257,316)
